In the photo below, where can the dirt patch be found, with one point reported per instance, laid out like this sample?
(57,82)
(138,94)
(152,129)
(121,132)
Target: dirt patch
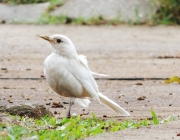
(34,111)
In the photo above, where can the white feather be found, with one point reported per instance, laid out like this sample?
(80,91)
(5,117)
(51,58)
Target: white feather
(83,102)
(83,59)
(112,105)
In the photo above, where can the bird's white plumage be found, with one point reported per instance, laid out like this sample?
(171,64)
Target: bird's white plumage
(68,74)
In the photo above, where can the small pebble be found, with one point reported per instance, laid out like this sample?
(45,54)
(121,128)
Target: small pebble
(42,75)
(65,103)
(3,21)
(3,68)
(85,113)
(48,103)
(178,134)
(104,116)
(138,84)
(121,95)
(170,93)
(141,98)
(10,101)
(55,112)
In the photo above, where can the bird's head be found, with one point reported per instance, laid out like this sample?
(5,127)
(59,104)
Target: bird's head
(61,44)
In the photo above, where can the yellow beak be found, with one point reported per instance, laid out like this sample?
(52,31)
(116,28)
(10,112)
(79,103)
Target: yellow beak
(46,38)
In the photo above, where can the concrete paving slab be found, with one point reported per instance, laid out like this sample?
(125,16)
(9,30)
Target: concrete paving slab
(124,10)
(23,13)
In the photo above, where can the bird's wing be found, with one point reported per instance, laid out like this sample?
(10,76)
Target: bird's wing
(85,62)
(81,72)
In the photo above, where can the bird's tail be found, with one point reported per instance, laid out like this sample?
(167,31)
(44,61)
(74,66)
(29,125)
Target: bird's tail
(112,105)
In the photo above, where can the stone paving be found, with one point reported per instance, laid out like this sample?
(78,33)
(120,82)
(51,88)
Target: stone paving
(119,51)
(136,11)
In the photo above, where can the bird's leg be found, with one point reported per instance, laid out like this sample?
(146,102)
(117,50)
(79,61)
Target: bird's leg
(68,115)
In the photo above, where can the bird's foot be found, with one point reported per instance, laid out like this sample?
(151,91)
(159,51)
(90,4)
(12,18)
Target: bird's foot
(68,115)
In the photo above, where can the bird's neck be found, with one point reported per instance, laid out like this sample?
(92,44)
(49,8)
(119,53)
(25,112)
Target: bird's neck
(68,53)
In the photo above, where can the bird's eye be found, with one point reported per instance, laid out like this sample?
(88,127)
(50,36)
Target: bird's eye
(59,40)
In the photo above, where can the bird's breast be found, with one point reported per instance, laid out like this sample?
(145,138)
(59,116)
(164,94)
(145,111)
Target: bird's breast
(60,79)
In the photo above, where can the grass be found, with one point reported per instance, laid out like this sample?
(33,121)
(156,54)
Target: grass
(63,19)
(54,4)
(168,12)
(73,128)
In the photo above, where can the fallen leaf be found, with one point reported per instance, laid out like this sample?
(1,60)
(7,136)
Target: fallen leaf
(57,105)
(138,84)
(173,79)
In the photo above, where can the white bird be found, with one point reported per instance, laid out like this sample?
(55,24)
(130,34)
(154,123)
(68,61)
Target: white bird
(68,74)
